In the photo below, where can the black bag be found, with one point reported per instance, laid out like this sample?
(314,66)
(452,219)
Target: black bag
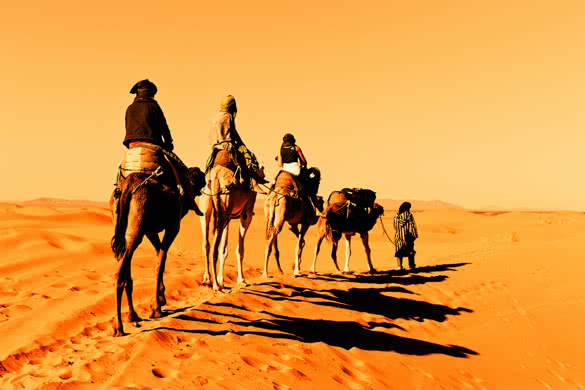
(361,197)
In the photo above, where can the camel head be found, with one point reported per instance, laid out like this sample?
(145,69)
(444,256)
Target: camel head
(313,179)
(373,215)
(197,178)
(319,204)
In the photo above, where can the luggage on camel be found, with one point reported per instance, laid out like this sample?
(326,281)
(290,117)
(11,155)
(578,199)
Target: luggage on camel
(361,197)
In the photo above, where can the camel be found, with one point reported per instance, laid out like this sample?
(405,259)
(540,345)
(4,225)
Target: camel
(222,200)
(300,213)
(341,217)
(149,204)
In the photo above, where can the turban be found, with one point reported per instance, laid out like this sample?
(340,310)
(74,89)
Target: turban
(228,104)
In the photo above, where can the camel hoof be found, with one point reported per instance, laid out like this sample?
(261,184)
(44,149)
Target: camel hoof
(242,283)
(133,317)
(156,313)
(119,333)
(373,271)
(264,275)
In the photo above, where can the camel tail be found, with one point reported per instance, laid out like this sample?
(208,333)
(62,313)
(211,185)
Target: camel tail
(118,242)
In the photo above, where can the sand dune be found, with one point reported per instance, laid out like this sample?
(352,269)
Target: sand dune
(496,303)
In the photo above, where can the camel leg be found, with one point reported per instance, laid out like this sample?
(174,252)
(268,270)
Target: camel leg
(160,300)
(317,248)
(244,225)
(206,222)
(270,243)
(122,276)
(223,253)
(334,244)
(295,230)
(300,246)
(217,234)
(277,253)
(366,243)
(347,253)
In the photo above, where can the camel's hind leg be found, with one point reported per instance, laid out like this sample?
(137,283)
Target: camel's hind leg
(365,240)
(206,228)
(334,244)
(320,238)
(223,253)
(244,225)
(218,231)
(160,300)
(269,245)
(300,246)
(124,282)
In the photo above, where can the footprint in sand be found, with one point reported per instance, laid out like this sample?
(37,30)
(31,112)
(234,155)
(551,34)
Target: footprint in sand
(159,373)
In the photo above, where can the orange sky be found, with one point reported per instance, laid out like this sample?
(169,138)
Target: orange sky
(474,103)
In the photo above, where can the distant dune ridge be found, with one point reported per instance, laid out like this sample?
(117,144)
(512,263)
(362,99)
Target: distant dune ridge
(57,202)
(388,204)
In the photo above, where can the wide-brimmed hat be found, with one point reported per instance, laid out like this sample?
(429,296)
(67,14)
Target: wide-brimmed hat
(144,86)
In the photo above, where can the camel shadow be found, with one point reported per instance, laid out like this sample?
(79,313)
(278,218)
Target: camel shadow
(404,277)
(366,300)
(345,334)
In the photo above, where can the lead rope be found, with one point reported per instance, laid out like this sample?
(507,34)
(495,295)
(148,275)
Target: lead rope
(384,229)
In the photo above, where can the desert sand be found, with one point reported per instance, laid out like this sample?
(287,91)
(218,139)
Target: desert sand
(496,303)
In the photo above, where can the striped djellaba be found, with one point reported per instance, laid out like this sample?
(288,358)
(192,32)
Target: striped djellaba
(406,233)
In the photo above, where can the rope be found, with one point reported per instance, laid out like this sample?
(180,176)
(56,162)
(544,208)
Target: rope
(278,193)
(157,172)
(384,229)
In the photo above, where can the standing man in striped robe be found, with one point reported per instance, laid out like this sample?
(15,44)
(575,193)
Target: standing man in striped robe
(406,233)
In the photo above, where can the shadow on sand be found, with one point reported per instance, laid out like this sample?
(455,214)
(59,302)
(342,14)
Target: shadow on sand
(344,334)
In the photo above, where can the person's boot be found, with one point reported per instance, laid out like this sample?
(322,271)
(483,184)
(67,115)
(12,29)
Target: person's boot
(411,264)
(399,264)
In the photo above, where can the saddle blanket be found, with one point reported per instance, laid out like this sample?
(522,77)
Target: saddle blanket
(141,159)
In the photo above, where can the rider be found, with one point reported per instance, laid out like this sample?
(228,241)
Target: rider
(292,160)
(224,136)
(146,126)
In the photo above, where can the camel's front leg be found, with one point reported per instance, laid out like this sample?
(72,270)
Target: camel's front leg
(299,251)
(365,240)
(347,253)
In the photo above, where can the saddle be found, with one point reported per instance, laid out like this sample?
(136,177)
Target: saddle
(147,158)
